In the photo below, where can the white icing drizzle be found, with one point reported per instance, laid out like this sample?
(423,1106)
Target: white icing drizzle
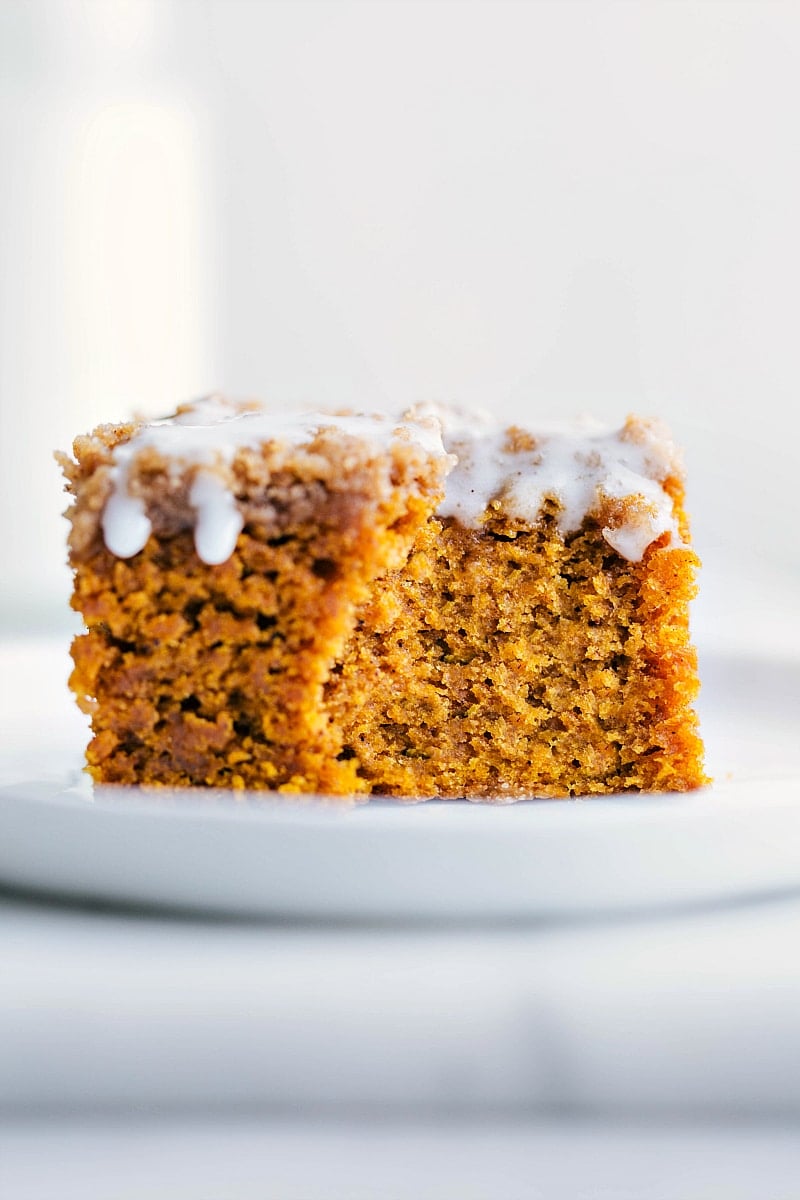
(578,466)
(207,434)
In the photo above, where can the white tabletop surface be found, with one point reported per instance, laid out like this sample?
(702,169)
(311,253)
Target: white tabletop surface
(143,1056)
(682,1015)
(258,1157)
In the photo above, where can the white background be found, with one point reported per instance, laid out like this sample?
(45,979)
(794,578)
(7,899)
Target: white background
(543,208)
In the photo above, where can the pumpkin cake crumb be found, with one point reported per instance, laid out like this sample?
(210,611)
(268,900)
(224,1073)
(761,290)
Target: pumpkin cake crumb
(356,604)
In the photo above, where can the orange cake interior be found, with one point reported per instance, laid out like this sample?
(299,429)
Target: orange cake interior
(357,604)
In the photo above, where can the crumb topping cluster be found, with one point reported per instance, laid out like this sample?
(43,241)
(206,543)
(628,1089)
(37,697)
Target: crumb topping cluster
(617,475)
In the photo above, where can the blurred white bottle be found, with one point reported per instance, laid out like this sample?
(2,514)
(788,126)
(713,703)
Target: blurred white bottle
(107,252)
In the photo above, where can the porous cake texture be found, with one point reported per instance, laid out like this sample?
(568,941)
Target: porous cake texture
(355,604)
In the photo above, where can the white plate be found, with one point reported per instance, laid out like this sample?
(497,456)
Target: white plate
(212,851)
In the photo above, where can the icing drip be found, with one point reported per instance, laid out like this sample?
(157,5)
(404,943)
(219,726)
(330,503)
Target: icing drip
(125,523)
(219,520)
